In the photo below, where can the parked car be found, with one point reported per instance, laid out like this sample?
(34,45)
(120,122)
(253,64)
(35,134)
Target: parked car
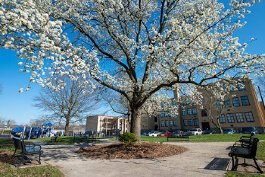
(166,134)
(195,131)
(249,130)
(208,131)
(229,131)
(144,133)
(211,131)
(154,133)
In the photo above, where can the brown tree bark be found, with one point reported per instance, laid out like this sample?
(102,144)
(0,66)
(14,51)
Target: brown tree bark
(66,128)
(135,126)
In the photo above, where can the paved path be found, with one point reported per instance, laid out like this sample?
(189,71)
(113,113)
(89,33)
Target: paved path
(187,164)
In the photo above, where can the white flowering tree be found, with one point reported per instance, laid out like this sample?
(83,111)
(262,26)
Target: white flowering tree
(161,101)
(133,47)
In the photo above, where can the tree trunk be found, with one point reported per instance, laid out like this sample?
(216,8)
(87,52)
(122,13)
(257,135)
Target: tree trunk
(66,128)
(219,125)
(135,126)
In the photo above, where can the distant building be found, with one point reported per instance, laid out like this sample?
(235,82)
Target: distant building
(241,108)
(149,123)
(108,125)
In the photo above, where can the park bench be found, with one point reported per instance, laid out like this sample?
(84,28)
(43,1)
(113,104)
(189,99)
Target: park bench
(27,149)
(245,148)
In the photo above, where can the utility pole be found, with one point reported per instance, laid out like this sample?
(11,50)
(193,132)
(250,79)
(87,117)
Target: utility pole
(261,97)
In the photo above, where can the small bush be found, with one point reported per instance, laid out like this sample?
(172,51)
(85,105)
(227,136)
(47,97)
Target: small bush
(6,132)
(128,138)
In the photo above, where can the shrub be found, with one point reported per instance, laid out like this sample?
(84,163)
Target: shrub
(128,138)
(6,132)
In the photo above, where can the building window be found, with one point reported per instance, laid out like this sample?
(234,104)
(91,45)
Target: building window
(155,119)
(189,111)
(190,122)
(236,102)
(185,122)
(171,123)
(249,117)
(162,114)
(222,118)
(195,122)
(204,113)
(162,105)
(218,104)
(245,101)
(166,123)
(230,118)
(239,117)
(168,114)
(194,111)
(162,124)
(227,103)
(183,112)
(174,123)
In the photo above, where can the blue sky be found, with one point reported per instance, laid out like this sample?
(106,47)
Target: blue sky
(20,106)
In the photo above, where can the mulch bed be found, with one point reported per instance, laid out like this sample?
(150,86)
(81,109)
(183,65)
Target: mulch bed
(136,151)
(18,160)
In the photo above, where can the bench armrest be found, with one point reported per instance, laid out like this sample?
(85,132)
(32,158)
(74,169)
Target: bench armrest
(237,144)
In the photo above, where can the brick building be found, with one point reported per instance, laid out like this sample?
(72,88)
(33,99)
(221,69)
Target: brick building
(241,108)
(108,125)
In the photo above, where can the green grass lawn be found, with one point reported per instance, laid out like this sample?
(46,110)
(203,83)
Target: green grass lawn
(6,144)
(202,138)
(39,171)
(60,140)
(64,140)
(235,174)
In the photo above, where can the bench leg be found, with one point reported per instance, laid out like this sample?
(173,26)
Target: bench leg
(234,163)
(257,166)
(39,158)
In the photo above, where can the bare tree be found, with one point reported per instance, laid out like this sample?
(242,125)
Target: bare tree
(69,104)
(2,121)
(37,122)
(10,123)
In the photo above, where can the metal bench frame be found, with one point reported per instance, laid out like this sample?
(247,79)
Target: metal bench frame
(20,144)
(245,148)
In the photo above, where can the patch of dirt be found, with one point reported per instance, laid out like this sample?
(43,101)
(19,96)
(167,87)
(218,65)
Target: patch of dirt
(5,156)
(136,151)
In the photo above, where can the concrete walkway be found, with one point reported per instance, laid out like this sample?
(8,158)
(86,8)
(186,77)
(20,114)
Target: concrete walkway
(190,163)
